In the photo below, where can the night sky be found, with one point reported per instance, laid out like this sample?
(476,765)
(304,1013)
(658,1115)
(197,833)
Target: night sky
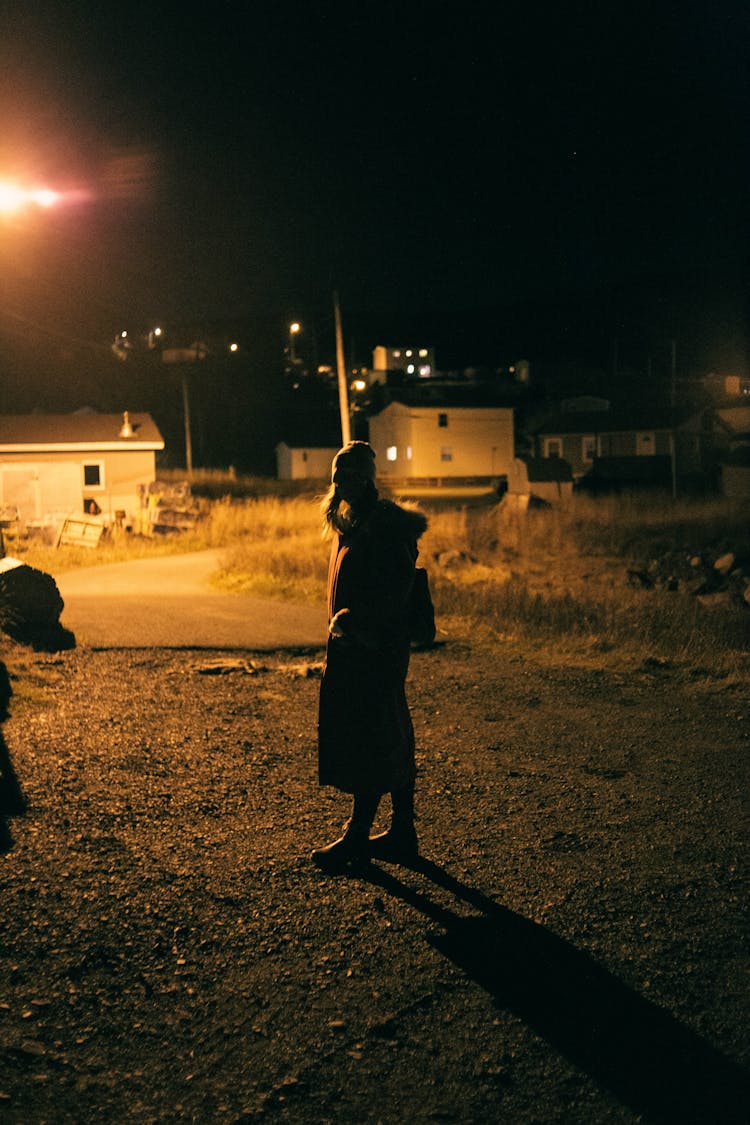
(499,180)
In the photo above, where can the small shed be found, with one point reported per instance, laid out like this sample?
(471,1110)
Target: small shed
(546,479)
(304,462)
(54,465)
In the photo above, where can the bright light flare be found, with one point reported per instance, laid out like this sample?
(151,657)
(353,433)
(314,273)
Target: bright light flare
(14,197)
(45,197)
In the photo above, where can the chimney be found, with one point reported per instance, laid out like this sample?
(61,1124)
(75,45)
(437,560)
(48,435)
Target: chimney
(126,430)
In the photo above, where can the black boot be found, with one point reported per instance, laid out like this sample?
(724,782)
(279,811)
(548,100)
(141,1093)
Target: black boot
(353,847)
(399,844)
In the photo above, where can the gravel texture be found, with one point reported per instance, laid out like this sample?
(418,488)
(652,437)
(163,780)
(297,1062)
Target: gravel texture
(570,948)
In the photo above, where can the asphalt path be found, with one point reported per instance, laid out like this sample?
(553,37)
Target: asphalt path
(170,603)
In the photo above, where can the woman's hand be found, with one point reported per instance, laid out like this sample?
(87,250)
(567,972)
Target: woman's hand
(336,628)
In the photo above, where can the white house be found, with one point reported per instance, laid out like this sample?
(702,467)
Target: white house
(443,441)
(52,465)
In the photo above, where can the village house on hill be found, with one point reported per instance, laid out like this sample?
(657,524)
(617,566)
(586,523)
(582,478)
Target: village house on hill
(53,465)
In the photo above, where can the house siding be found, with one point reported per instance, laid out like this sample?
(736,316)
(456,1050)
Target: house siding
(479,441)
(124,474)
(303,463)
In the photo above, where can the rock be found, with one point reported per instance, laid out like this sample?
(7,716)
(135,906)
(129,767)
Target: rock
(722,599)
(724,563)
(30,607)
(451,559)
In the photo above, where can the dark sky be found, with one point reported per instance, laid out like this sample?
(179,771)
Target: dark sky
(497,178)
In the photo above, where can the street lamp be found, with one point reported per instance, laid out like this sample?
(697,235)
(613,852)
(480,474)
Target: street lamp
(294,329)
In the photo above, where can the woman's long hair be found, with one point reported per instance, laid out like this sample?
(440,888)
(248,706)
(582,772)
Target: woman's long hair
(340,517)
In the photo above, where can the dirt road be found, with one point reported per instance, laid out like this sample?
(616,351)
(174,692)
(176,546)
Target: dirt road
(571,948)
(170,602)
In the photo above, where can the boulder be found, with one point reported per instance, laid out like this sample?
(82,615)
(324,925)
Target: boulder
(724,563)
(30,607)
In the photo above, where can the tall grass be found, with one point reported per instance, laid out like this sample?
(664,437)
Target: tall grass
(495,570)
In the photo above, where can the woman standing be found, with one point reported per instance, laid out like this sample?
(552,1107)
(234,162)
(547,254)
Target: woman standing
(365,734)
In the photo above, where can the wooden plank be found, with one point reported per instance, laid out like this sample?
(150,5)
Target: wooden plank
(79,531)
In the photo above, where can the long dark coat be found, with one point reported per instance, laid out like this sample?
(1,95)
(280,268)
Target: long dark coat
(365,734)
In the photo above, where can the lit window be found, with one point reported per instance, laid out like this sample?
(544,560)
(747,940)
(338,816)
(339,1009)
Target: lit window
(553,447)
(391,453)
(408,453)
(425,369)
(442,421)
(588,443)
(422,352)
(410,369)
(446,453)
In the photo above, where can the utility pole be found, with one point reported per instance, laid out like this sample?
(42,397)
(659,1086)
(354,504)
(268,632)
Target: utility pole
(673,404)
(346,432)
(186,419)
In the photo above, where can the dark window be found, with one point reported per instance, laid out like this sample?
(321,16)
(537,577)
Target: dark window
(92,476)
(442,420)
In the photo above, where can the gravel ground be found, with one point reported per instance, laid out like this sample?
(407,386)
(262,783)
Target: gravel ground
(570,948)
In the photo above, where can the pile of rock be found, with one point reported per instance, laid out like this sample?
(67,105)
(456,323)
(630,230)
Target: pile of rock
(715,579)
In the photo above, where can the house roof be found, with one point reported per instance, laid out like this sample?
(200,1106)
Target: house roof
(637,417)
(444,395)
(415,409)
(539,469)
(50,433)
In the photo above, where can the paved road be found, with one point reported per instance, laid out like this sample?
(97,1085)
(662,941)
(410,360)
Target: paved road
(170,603)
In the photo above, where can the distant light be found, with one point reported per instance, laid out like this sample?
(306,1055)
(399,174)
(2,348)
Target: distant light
(408,453)
(425,369)
(295,328)
(359,385)
(409,352)
(512,370)
(234,347)
(157,332)
(391,453)
(410,369)
(423,352)
(124,334)
(396,353)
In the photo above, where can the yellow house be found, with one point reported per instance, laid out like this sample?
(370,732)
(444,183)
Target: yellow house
(443,442)
(53,465)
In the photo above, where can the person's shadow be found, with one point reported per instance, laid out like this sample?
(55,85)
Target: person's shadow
(638,1051)
(12,801)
